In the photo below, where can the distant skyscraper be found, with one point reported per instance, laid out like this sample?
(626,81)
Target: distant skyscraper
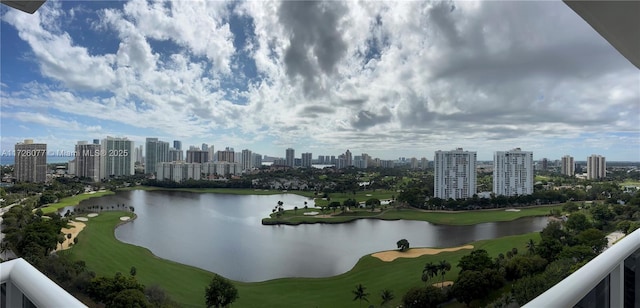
(247,159)
(455,174)
(513,172)
(197,156)
(568,166)
(177,144)
(175,155)
(348,157)
(88,161)
(414,163)
(423,163)
(227,155)
(30,161)
(290,156)
(156,152)
(117,157)
(205,147)
(306,160)
(596,167)
(212,153)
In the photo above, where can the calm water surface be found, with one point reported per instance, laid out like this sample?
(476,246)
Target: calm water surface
(223,234)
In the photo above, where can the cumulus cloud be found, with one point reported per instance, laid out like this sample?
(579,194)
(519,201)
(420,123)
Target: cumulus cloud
(331,74)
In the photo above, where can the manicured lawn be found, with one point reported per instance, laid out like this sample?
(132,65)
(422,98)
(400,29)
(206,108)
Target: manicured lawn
(105,255)
(73,200)
(443,218)
(630,182)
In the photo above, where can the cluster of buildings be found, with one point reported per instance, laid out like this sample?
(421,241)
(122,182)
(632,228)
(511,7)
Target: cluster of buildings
(455,173)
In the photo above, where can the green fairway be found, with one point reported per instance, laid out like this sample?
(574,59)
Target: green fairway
(73,200)
(292,217)
(105,255)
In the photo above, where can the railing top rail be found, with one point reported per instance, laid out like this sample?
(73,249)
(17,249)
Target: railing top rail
(37,287)
(572,289)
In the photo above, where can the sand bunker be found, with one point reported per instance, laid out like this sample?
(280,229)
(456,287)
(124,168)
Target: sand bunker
(125,218)
(391,255)
(77,227)
(81,219)
(92,215)
(512,210)
(441,284)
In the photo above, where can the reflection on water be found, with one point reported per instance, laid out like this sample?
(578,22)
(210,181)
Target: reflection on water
(223,233)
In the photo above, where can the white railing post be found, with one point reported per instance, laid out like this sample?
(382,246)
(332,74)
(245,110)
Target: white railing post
(616,286)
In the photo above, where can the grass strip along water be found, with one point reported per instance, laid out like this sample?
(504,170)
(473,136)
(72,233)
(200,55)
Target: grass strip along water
(295,217)
(105,255)
(74,200)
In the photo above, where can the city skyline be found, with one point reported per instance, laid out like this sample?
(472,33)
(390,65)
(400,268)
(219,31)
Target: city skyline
(387,86)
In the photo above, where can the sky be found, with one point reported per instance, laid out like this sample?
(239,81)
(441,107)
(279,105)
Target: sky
(391,79)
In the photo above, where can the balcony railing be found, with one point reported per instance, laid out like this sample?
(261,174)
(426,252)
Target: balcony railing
(612,279)
(25,286)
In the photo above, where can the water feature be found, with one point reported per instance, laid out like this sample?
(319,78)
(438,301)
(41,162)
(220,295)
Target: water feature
(223,233)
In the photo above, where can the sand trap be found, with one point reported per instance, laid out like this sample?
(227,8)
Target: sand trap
(125,218)
(92,215)
(446,283)
(512,210)
(391,255)
(81,219)
(77,227)
(311,213)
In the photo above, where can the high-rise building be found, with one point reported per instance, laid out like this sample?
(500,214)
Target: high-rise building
(177,144)
(212,153)
(176,155)
(596,167)
(306,160)
(414,163)
(139,155)
(30,161)
(205,147)
(88,161)
(290,156)
(348,157)
(117,157)
(247,159)
(178,171)
(227,155)
(197,156)
(256,160)
(513,172)
(423,163)
(455,174)
(568,166)
(156,152)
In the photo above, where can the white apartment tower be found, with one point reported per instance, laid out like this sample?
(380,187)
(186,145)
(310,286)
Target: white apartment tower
(118,157)
(455,174)
(596,167)
(88,161)
(307,160)
(156,152)
(568,166)
(247,159)
(513,172)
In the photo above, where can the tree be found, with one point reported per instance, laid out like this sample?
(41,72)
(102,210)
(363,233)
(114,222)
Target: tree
(133,271)
(403,244)
(469,286)
(220,292)
(387,296)
(360,293)
(443,268)
(477,260)
(531,246)
(426,297)
(430,270)
(578,222)
(129,298)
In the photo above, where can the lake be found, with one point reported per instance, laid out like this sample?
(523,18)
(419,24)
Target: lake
(223,233)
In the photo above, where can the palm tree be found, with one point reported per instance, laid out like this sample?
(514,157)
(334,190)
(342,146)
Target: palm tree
(360,294)
(430,270)
(387,296)
(444,267)
(531,246)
